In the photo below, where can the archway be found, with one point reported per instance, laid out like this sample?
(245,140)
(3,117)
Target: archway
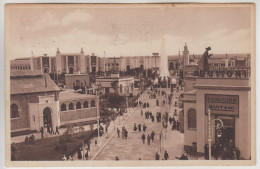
(71,70)
(171,66)
(93,69)
(46,70)
(47,117)
(127,68)
(141,67)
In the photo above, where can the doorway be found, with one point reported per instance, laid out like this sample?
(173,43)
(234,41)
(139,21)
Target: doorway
(93,69)
(227,131)
(47,118)
(71,70)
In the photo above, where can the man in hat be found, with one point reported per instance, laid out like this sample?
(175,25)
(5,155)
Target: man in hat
(203,62)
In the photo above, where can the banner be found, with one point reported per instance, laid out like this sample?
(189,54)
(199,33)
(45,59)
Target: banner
(222,104)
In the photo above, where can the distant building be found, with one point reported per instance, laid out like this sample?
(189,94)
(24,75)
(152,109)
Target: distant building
(81,63)
(80,80)
(216,62)
(44,63)
(125,85)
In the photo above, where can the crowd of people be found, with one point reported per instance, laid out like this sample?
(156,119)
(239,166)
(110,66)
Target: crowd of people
(224,150)
(48,130)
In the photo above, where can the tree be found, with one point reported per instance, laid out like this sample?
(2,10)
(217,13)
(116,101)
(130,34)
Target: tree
(114,85)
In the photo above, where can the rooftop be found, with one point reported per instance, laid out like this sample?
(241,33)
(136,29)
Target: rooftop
(19,73)
(70,94)
(71,54)
(109,77)
(33,83)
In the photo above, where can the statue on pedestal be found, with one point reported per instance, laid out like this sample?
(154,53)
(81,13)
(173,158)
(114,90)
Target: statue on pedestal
(203,62)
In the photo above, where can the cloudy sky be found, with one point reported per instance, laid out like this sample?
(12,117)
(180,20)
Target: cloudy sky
(126,31)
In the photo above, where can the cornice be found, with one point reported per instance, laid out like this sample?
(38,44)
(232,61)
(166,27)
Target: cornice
(233,88)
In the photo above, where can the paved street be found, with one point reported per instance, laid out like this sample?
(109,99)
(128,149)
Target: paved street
(132,148)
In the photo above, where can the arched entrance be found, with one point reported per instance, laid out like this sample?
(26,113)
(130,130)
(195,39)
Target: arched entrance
(171,66)
(47,117)
(127,68)
(46,70)
(93,69)
(71,70)
(141,67)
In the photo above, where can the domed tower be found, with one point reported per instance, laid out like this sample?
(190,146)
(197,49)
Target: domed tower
(186,56)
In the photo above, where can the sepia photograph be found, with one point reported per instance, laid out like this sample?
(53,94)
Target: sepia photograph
(130,84)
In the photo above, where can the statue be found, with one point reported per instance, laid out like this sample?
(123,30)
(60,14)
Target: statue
(203,62)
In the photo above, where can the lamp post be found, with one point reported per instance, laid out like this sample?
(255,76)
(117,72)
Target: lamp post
(98,112)
(210,127)
(126,99)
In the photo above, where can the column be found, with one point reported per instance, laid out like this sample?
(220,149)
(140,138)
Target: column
(40,63)
(75,63)
(66,69)
(50,65)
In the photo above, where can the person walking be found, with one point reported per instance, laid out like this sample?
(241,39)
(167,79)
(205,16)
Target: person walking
(118,133)
(52,131)
(86,154)
(206,151)
(144,127)
(64,158)
(126,134)
(148,139)
(79,154)
(178,125)
(166,155)
(143,138)
(157,156)
(152,135)
(42,132)
(123,133)
(135,128)
(139,127)
(152,118)
(57,130)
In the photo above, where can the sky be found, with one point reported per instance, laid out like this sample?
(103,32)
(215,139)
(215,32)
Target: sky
(125,31)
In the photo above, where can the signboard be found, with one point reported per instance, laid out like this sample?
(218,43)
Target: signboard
(222,104)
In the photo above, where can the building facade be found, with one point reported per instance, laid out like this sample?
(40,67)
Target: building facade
(114,84)
(36,101)
(228,100)
(80,80)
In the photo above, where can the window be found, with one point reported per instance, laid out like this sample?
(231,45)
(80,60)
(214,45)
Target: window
(121,88)
(77,83)
(34,118)
(78,105)
(85,104)
(192,119)
(93,104)
(71,106)
(14,111)
(63,107)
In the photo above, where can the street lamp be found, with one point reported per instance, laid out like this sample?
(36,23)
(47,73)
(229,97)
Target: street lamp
(210,127)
